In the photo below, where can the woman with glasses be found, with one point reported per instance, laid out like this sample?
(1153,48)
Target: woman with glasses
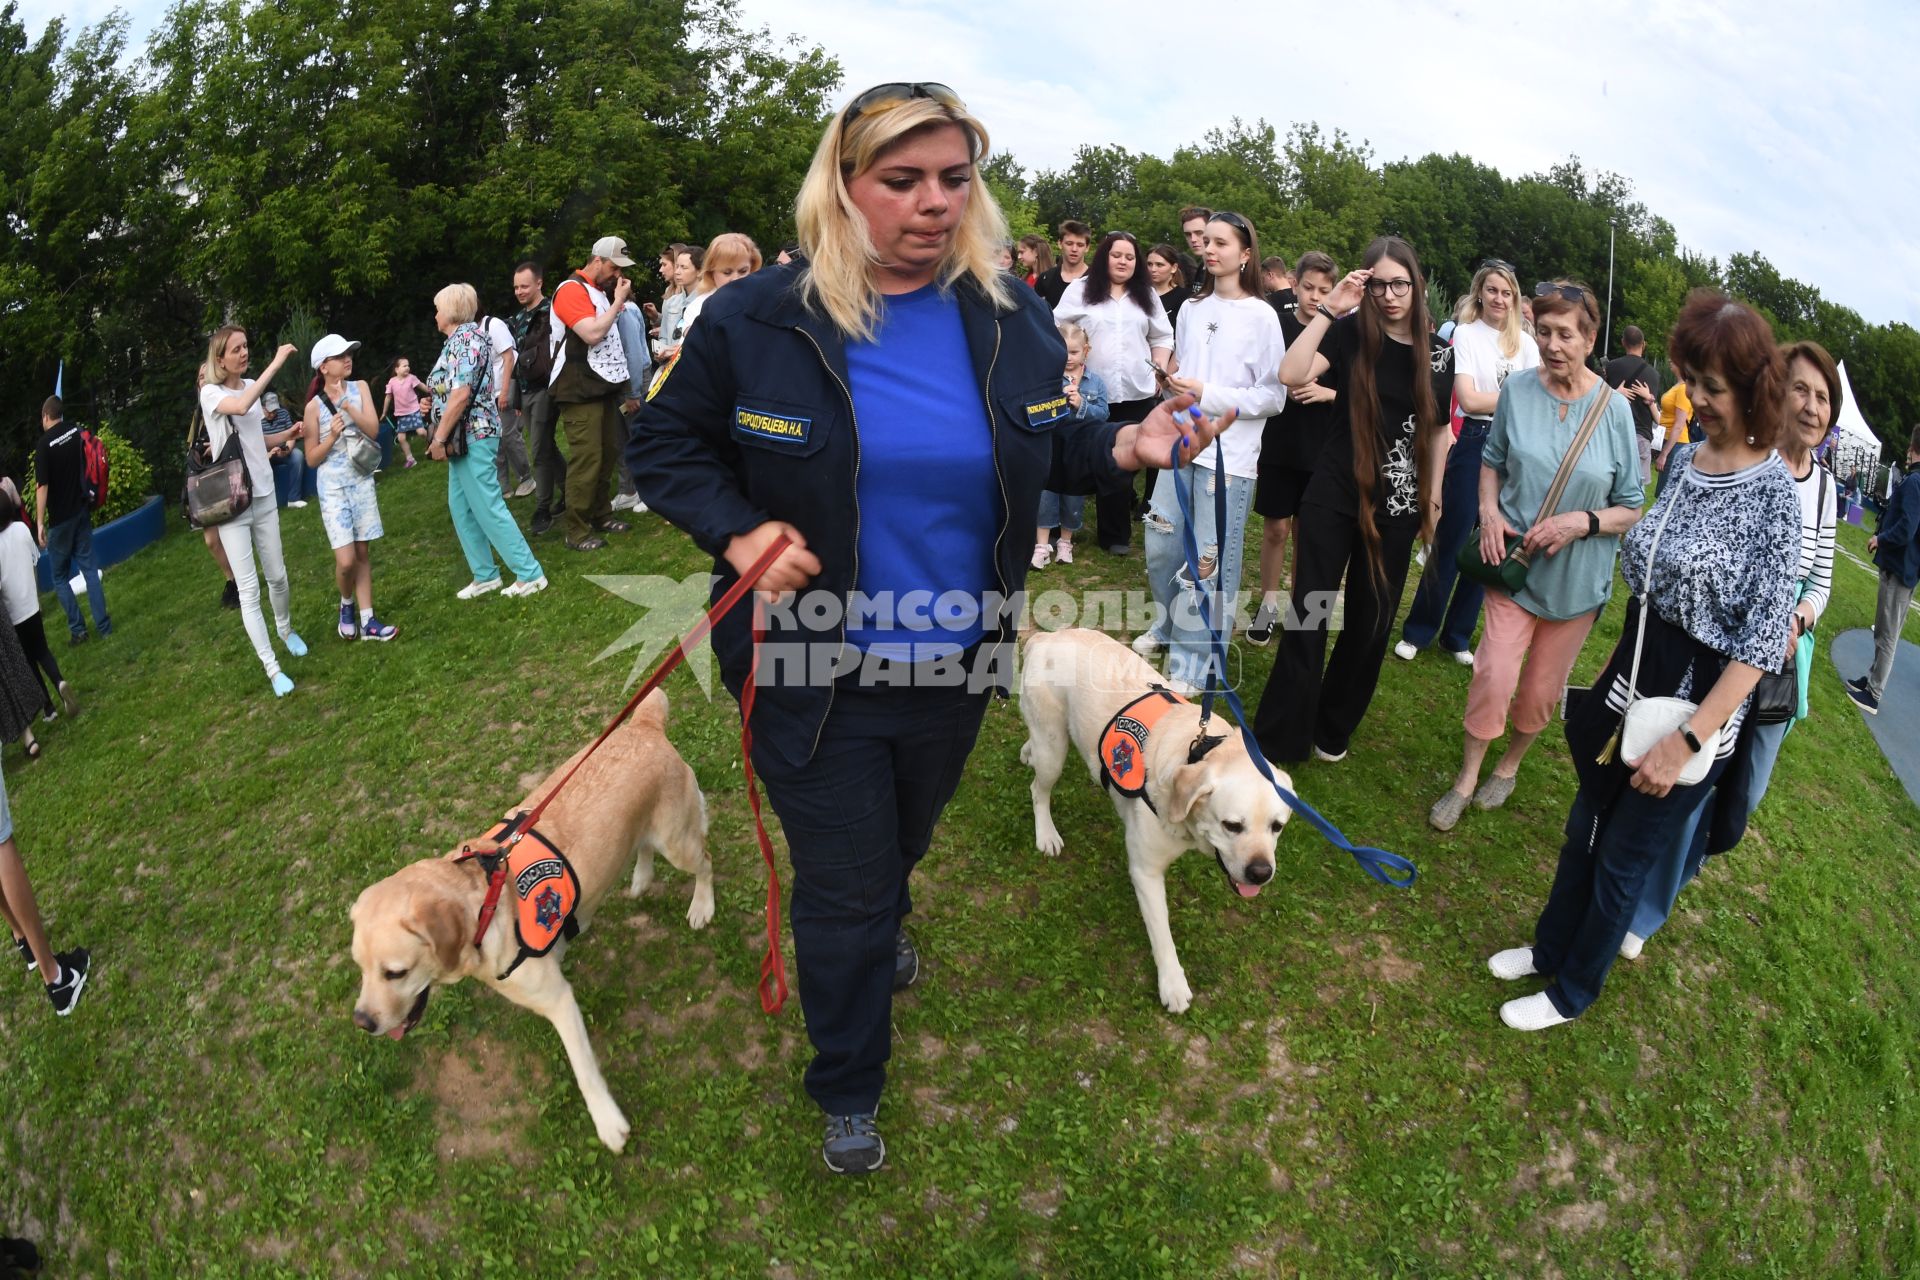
(1374,487)
(1534,634)
(1130,337)
(890,404)
(1228,356)
(1814,394)
(1713,568)
(1488,345)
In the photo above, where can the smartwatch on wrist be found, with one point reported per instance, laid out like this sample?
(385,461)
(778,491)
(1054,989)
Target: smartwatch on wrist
(1693,743)
(1593,524)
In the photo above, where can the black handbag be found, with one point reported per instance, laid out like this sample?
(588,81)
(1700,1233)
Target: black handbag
(1510,575)
(218,489)
(1776,699)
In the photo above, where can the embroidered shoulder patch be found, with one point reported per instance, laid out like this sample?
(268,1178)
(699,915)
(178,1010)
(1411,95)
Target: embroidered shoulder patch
(1042,412)
(772,426)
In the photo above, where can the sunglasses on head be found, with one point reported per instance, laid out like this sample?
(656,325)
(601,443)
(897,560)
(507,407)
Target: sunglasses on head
(1571,292)
(1234,220)
(886,95)
(1500,264)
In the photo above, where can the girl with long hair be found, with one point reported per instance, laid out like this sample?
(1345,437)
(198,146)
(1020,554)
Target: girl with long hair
(1036,259)
(230,403)
(19,553)
(338,407)
(673,312)
(730,256)
(1169,280)
(1375,487)
(1228,357)
(402,401)
(1488,345)
(1130,337)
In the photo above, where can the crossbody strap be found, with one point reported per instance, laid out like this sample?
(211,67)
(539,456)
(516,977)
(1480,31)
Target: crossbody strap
(1558,489)
(1646,593)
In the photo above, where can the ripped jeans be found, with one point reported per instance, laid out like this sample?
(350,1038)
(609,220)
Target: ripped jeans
(1180,624)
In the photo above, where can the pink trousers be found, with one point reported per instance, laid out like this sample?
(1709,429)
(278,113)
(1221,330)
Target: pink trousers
(1522,664)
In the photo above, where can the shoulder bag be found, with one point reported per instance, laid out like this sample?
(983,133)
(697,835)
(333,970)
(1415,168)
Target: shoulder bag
(1649,720)
(1510,575)
(1776,699)
(362,453)
(218,489)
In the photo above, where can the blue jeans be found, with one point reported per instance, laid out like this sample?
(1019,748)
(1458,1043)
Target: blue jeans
(71,545)
(1062,511)
(289,474)
(1181,626)
(1609,855)
(480,517)
(1749,772)
(1459,512)
(858,818)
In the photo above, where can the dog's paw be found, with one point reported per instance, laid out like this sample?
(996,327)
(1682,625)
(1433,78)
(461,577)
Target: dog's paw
(1175,993)
(1046,837)
(613,1130)
(700,911)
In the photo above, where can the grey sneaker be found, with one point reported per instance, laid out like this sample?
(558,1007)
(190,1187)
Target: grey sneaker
(853,1144)
(1446,811)
(906,962)
(1495,791)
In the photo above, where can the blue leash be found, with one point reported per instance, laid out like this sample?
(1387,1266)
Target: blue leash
(1377,863)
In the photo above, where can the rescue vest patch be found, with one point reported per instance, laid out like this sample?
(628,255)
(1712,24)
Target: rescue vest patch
(1123,743)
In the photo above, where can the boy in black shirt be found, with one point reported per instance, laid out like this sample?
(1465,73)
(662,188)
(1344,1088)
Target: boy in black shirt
(66,517)
(1633,376)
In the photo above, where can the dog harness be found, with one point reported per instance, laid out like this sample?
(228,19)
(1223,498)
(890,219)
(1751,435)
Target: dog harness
(546,891)
(1123,743)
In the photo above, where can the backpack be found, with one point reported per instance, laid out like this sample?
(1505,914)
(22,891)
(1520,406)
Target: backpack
(96,454)
(533,358)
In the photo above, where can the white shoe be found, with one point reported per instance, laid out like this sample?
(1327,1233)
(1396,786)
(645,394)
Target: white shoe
(1512,964)
(1328,756)
(1463,656)
(1146,644)
(1405,652)
(525,490)
(474,590)
(526,587)
(1630,946)
(1042,555)
(625,501)
(1183,688)
(1531,1013)
(298,502)
(1064,553)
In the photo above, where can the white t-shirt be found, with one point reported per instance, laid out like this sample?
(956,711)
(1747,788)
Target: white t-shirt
(502,339)
(253,445)
(18,555)
(1477,355)
(1233,346)
(1120,339)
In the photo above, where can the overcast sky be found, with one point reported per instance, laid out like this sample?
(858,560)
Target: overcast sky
(1791,129)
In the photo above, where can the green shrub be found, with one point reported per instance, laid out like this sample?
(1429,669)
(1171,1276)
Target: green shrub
(129,478)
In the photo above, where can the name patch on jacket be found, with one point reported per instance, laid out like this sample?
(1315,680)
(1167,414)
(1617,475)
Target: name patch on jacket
(1042,412)
(772,426)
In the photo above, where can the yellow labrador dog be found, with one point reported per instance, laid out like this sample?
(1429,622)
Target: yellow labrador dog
(1085,690)
(634,798)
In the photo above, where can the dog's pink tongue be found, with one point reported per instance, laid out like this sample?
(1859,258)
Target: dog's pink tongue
(397,1032)
(1246,890)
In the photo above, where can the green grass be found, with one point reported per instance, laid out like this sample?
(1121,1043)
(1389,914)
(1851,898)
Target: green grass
(1341,1100)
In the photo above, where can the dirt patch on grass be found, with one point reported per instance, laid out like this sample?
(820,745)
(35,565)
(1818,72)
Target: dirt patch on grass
(1578,1219)
(1376,957)
(477,1115)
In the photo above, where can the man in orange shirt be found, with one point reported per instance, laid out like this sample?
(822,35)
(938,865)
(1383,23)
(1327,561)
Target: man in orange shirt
(589,377)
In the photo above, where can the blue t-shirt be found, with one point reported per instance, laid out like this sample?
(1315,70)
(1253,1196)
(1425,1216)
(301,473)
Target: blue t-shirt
(929,498)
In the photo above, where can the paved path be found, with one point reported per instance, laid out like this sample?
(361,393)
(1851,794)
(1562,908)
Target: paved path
(1897,727)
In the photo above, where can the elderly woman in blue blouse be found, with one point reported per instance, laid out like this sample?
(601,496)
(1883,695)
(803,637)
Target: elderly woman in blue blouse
(462,383)
(1534,635)
(1713,566)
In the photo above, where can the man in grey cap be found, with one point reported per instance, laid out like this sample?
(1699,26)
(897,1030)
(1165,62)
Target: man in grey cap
(589,377)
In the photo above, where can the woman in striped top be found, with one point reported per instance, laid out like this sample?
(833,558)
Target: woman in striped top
(1813,397)
(1715,563)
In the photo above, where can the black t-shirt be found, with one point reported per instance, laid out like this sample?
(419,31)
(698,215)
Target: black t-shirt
(1052,285)
(1396,497)
(60,463)
(1284,301)
(1624,369)
(1173,300)
(1296,437)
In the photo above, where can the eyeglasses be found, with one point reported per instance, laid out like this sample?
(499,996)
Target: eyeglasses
(1381,288)
(900,91)
(1571,292)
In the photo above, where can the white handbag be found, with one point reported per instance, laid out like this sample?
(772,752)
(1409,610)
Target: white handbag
(1649,720)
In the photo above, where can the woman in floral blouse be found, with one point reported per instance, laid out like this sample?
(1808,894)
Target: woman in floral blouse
(462,382)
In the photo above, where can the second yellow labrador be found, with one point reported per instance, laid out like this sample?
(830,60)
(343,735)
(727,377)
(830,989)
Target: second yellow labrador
(1083,689)
(635,797)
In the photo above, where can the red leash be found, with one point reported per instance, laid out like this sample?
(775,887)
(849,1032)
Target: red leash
(772,965)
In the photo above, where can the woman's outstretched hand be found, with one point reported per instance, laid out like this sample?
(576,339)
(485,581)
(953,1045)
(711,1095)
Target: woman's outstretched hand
(1150,443)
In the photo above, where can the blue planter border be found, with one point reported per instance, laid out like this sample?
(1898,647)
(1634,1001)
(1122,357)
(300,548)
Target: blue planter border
(118,539)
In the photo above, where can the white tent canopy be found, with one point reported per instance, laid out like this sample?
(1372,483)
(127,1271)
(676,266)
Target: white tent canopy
(1851,423)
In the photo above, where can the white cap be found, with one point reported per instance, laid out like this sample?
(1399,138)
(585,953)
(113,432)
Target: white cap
(613,249)
(330,346)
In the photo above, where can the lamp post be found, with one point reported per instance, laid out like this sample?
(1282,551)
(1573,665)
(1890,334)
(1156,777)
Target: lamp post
(1606,342)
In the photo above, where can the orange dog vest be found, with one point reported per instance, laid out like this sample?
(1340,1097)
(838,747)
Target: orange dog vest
(1123,743)
(546,891)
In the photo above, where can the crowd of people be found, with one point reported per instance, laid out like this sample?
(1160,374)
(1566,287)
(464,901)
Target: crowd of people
(906,391)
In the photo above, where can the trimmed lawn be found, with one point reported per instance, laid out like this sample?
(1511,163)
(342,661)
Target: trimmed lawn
(1341,1100)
